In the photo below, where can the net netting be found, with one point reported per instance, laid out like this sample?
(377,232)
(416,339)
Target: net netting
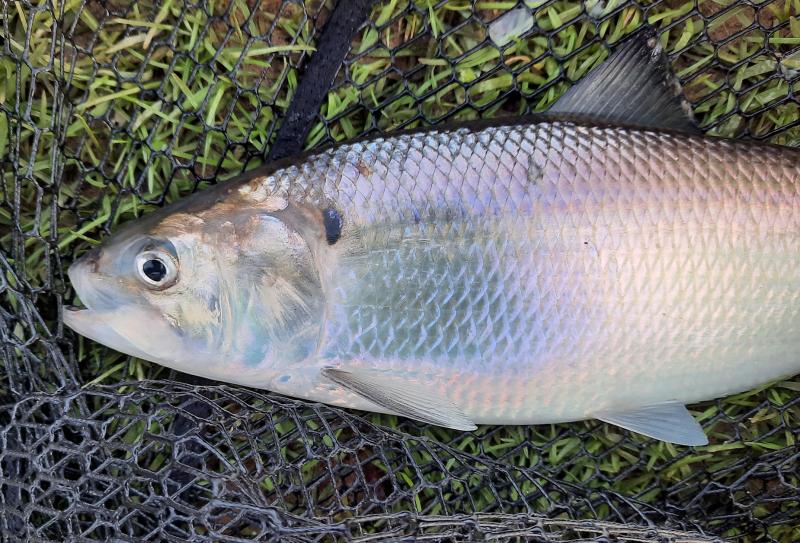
(109,109)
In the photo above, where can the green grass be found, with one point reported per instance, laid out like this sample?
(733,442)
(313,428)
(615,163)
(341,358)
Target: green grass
(186,120)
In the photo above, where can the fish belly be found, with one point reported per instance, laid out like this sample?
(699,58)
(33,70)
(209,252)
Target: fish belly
(542,273)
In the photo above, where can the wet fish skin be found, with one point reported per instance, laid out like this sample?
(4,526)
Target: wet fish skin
(600,261)
(531,273)
(541,273)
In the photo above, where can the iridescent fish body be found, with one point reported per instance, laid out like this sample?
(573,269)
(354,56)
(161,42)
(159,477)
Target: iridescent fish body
(583,264)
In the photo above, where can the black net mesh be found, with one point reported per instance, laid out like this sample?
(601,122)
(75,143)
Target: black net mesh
(109,108)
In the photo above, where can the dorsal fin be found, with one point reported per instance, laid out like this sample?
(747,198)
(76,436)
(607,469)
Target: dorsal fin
(634,86)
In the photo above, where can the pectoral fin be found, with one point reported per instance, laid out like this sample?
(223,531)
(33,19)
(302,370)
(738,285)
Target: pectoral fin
(669,421)
(403,394)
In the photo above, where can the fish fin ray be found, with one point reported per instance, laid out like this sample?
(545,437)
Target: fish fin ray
(403,395)
(634,86)
(669,421)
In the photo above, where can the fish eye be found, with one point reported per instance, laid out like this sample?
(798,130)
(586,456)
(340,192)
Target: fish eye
(154,269)
(158,270)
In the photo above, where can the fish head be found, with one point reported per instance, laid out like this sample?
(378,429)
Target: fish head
(221,293)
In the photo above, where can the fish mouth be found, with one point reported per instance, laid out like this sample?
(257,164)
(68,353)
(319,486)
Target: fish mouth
(76,316)
(84,321)
(93,314)
(88,285)
(109,327)
(73,315)
(74,312)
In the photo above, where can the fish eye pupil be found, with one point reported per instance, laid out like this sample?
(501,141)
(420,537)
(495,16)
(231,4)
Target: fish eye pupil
(154,269)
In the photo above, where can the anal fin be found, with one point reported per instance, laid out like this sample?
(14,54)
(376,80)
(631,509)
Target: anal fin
(669,421)
(403,394)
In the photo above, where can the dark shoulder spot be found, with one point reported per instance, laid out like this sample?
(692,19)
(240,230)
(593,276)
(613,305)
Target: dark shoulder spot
(333,225)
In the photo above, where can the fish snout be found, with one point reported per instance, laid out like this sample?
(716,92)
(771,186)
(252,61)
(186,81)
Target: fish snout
(86,281)
(88,260)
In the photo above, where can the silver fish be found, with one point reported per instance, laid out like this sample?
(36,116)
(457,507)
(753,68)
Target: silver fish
(600,261)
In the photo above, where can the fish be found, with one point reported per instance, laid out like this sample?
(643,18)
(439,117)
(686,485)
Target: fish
(600,260)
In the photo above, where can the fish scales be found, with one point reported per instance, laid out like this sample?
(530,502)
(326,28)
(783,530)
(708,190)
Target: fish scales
(534,271)
(602,260)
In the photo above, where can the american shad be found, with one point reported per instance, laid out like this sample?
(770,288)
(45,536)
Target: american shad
(602,260)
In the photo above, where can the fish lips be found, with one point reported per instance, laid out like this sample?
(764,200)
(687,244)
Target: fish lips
(100,326)
(88,283)
(133,329)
